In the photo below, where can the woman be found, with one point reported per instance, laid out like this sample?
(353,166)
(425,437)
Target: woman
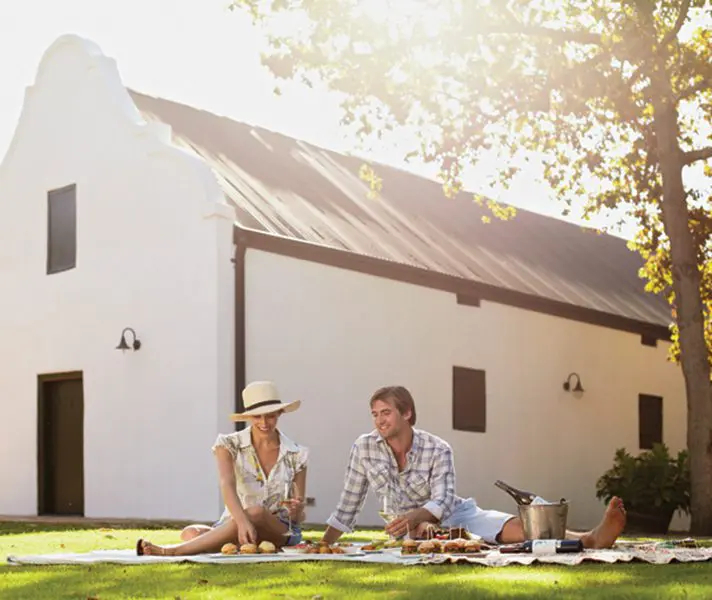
(257,467)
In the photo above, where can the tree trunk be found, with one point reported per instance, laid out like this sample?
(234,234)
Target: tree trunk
(686,281)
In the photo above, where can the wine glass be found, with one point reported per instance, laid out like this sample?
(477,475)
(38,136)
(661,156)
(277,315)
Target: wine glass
(389,509)
(288,492)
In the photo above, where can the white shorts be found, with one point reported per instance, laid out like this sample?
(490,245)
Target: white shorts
(485,523)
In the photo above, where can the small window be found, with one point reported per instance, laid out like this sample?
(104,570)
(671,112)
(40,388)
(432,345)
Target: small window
(650,420)
(469,400)
(62,229)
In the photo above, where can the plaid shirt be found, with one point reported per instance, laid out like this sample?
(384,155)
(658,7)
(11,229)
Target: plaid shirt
(427,481)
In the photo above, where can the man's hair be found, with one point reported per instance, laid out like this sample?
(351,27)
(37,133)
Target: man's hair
(402,399)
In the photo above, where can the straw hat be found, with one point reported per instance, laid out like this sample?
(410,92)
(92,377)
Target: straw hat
(261,398)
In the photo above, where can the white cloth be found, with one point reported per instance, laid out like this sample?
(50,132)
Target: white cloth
(656,556)
(129,557)
(252,486)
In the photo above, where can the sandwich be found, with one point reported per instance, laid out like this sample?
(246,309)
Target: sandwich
(409,547)
(454,546)
(472,546)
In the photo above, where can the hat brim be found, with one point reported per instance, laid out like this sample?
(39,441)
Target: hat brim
(286,407)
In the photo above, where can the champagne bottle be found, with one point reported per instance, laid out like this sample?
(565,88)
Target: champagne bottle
(543,547)
(520,496)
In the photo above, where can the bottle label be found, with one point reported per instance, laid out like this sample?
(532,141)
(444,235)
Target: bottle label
(543,546)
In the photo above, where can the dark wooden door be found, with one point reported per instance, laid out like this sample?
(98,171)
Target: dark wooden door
(61,445)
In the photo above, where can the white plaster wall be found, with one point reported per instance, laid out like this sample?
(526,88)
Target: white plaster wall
(154,242)
(331,337)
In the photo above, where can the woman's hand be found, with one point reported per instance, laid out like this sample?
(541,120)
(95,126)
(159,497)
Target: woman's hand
(246,532)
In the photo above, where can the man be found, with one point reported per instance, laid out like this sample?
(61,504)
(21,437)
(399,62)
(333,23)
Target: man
(417,469)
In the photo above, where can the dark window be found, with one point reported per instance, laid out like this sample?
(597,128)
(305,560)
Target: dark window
(469,399)
(62,229)
(650,420)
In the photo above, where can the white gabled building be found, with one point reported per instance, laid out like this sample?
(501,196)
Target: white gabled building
(236,254)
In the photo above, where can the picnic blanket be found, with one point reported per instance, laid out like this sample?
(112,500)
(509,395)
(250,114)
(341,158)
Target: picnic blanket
(656,554)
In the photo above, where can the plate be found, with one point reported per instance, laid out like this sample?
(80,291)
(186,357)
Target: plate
(238,555)
(345,551)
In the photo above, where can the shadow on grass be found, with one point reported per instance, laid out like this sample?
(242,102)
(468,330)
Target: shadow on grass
(305,580)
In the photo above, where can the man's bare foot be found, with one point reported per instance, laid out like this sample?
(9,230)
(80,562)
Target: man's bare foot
(149,549)
(610,527)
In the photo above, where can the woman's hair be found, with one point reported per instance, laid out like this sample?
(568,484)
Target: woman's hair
(399,396)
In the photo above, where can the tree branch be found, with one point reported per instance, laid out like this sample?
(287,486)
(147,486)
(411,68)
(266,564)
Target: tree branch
(700,86)
(681,17)
(694,155)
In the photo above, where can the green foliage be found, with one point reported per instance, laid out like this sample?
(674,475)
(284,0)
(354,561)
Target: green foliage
(654,246)
(584,88)
(653,481)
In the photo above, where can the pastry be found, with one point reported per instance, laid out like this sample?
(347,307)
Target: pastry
(266,547)
(229,549)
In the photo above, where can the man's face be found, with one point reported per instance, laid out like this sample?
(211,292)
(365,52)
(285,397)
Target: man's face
(387,420)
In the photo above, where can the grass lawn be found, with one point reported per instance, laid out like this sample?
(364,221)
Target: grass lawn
(309,580)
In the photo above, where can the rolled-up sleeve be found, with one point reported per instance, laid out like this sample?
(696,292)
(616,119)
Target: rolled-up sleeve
(353,494)
(442,485)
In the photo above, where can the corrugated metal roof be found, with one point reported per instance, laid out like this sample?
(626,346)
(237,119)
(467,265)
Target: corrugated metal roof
(290,188)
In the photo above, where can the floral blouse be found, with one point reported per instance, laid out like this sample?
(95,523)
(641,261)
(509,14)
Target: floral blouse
(252,486)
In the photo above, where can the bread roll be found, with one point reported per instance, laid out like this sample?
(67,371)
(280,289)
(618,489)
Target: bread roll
(266,547)
(229,549)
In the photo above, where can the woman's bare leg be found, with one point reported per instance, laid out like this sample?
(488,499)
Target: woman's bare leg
(193,531)
(267,525)
(210,541)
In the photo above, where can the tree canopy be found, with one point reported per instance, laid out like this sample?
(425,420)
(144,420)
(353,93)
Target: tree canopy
(612,97)
(568,84)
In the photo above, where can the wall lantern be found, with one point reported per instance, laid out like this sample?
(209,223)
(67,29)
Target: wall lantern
(577,388)
(123,345)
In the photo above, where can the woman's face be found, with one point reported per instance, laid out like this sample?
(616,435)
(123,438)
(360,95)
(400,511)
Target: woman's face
(265,424)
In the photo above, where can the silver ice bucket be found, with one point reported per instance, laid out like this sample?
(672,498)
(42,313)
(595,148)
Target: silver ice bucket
(544,521)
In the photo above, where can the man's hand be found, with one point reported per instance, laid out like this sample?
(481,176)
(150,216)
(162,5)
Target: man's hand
(423,531)
(331,535)
(408,522)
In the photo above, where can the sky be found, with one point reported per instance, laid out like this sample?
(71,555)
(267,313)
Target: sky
(198,53)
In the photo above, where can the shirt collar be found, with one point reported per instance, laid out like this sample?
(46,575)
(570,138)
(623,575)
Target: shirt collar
(414,447)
